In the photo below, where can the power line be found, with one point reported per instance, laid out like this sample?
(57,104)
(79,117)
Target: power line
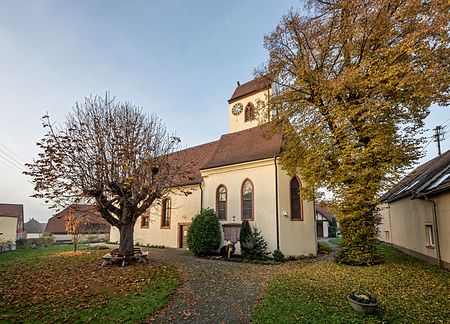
(12,152)
(10,157)
(13,164)
(431,140)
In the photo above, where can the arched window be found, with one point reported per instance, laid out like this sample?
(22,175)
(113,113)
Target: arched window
(249,112)
(221,202)
(296,204)
(247,200)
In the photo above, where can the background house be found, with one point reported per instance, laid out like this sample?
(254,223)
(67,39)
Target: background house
(324,220)
(11,223)
(416,212)
(34,229)
(93,224)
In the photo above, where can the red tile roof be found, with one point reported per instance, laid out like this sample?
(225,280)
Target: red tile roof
(248,145)
(249,88)
(56,224)
(193,159)
(11,210)
(324,212)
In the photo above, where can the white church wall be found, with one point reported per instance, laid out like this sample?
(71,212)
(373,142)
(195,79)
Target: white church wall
(183,209)
(262,175)
(297,237)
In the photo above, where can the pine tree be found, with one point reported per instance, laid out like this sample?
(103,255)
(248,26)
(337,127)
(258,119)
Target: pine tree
(255,247)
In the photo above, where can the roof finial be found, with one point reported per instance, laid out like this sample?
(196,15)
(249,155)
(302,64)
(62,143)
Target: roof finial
(238,83)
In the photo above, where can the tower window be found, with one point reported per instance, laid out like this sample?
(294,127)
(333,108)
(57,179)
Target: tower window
(249,112)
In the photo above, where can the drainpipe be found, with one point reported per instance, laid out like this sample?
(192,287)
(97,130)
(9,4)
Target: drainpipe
(435,227)
(435,232)
(276,201)
(201,196)
(391,241)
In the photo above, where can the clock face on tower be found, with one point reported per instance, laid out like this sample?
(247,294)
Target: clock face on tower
(237,109)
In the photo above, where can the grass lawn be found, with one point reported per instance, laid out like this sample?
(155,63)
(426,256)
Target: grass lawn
(56,284)
(335,241)
(408,290)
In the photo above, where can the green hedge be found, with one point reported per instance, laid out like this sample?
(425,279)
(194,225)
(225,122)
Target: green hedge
(204,234)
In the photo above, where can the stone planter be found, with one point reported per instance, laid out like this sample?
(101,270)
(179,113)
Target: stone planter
(366,308)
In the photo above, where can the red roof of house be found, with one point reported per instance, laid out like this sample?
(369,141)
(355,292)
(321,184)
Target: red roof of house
(13,210)
(193,159)
(248,145)
(324,212)
(56,224)
(250,87)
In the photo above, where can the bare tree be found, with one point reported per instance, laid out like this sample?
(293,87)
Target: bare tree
(110,154)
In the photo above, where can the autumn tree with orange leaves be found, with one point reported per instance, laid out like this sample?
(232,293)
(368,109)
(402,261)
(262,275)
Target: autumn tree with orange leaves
(353,83)
(111,154)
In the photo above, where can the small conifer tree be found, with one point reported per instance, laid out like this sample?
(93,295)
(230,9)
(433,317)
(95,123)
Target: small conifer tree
(255,246)
(245,233)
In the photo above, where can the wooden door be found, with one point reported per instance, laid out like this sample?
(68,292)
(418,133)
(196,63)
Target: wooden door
(183,235)
(319,229)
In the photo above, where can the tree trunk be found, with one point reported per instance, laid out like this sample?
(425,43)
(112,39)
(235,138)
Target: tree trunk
(126,238)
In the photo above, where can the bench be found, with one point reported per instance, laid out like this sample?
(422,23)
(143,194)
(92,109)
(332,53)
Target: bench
(116,256)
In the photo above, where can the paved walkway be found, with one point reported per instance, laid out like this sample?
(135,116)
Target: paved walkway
(216,291)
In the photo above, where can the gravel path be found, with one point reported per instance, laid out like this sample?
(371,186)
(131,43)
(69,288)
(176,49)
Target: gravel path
(214,291)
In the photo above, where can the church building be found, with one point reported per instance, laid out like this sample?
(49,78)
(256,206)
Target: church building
(241,177)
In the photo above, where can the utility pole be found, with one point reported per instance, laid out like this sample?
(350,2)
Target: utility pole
(439,136)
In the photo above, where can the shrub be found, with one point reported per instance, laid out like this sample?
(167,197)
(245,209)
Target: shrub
(91,239)
(21,243)
(246,231)
(255,246)
(204,234)
(29,243)
(47,239)
(6,245)
(278,256)
(324,248)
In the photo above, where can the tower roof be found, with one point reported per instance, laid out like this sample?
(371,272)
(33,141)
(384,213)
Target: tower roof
(251,87)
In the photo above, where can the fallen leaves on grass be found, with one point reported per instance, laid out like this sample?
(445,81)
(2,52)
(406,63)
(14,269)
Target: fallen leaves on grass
(69,282)
(407,289)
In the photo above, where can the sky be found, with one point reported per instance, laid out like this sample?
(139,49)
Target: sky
(179,59)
